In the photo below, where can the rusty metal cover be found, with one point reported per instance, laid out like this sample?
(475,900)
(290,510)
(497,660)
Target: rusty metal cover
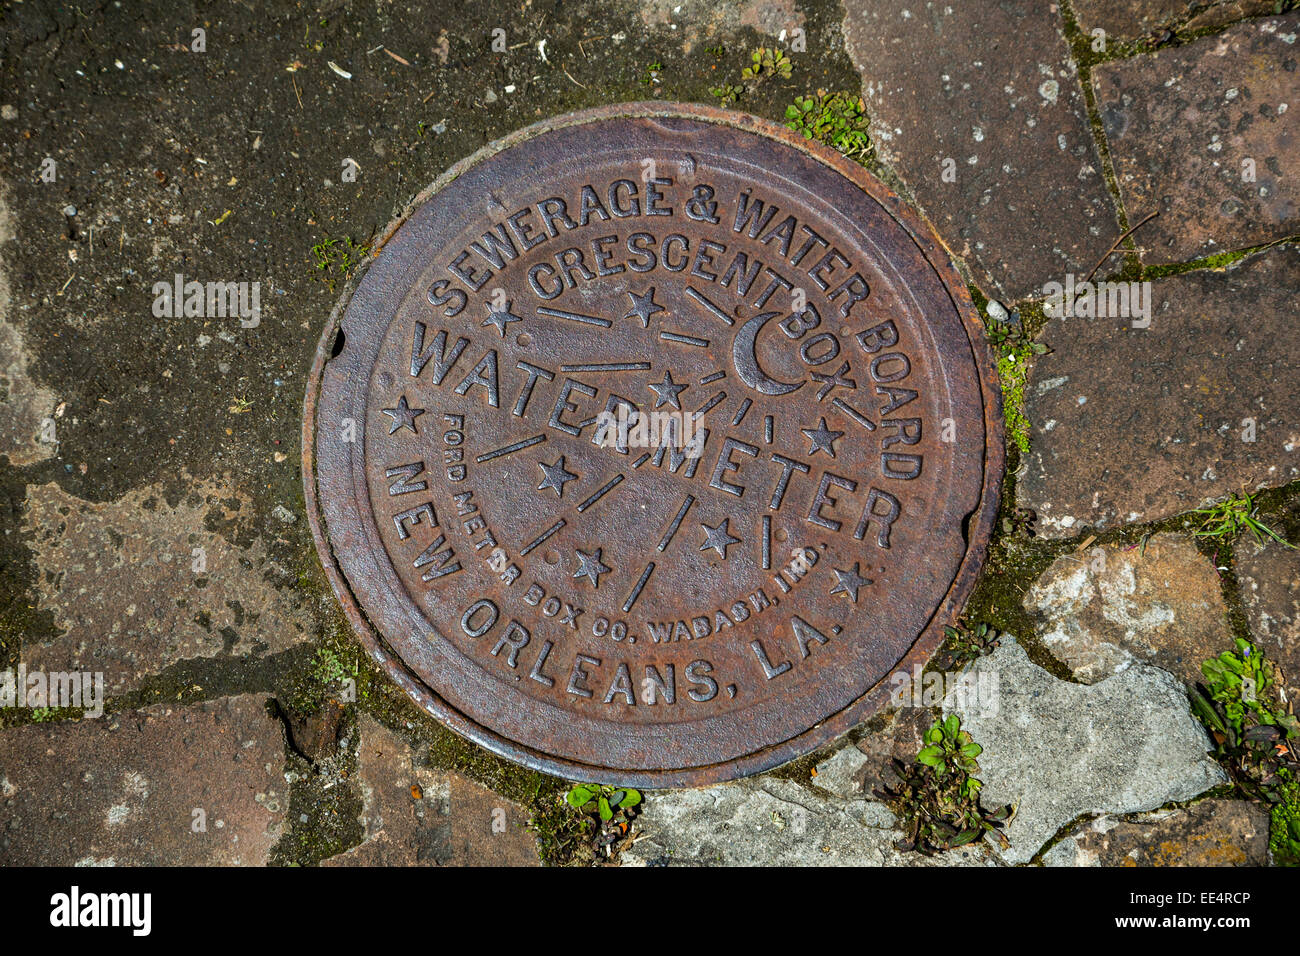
(653,440)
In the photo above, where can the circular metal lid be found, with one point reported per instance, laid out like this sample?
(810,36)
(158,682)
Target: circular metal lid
(651,442)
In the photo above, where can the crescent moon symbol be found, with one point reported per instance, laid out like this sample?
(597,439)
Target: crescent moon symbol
(745,356)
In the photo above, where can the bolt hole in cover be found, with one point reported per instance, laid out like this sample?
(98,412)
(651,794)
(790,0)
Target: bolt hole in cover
(659,438)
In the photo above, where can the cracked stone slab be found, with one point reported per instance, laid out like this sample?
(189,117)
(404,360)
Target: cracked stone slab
(1209,833)
(843,774)
(993,88)
(1268,576)
(1182,121)
(139,584)
(416,816)
(1060,750)
(1127,19)
(1103,609)
(26,409)
(773,822)
(1139,424)
(201,785)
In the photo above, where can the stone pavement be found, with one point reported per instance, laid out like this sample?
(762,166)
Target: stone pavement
(154,526)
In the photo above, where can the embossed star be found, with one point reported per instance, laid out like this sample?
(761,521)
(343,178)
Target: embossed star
(403,416)
(822,438)
(719,538)
(666,392)
(590,566)
(501,317)
(556,476)
(849,582)
(644,306)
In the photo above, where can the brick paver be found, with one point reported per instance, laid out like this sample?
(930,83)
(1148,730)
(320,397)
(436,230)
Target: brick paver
(167,786)
(1137,424)
(1206,135)
(989,93)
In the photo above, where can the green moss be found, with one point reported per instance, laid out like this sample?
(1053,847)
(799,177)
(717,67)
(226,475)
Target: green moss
(1284,821)
(1015,346)
(1013,371)
(332,812)
(336,260)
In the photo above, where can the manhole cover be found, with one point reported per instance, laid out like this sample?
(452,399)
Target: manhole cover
(653,443)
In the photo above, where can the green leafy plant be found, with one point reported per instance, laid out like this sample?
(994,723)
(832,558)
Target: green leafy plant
(938,796)
(1239,701)
(608,800)
(651,74)
(1012,335)
(1255,733)
(727,93)
(328,669)
(1020,520)
(837,119)
(766,62)
(613,808)
(965,643)
(1227,519)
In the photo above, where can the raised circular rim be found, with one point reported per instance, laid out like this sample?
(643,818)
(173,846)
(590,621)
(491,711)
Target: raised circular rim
(978,528)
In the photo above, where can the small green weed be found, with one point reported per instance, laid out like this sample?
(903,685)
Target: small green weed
(1227,519)
(964,644)
(1239,701)
(727,93)
(1020,521)
(938,796)
(764,64)
(608,800)
(838,120)
(329,668)
(767,62)
(610,812)
(1255,734)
